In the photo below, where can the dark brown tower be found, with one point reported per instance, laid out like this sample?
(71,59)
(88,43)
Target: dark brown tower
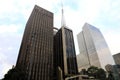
(64,53)
(36,51)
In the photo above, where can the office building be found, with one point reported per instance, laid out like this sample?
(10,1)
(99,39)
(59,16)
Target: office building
(64,53)
(93,48)
(117,58)
(114,69)
(36,51)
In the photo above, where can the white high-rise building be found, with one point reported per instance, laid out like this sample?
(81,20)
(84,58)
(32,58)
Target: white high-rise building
(93,48)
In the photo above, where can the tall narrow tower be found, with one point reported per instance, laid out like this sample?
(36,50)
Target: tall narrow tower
(63,23)
(36,51)
(64,51)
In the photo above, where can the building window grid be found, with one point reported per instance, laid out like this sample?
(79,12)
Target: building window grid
(39,50)
(74,55)
(34,39)
(33,42)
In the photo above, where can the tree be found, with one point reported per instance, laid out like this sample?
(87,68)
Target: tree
(110,76)
(84,72)
(15,74)
(96,72)
(92,71)
(101,74)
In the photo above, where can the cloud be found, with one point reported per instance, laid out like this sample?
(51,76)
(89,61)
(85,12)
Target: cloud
(9,28)
(108,22)
(4,65)
(14,14)
(113,40)
(13,17)
(9,47)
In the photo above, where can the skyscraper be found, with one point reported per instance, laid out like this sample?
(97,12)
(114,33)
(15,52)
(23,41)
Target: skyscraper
(64,52)
(36,51)
(65,63)
(93,48)
(117,58)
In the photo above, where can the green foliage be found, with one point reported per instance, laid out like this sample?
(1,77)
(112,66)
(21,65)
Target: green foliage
(15,74)
(101,74)
(92,71)
(96,72)
(84,72)
(110,76)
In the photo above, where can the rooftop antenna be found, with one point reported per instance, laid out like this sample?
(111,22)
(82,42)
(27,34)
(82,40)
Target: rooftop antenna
(62,18)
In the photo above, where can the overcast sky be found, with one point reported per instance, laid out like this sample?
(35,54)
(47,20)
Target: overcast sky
(103,14)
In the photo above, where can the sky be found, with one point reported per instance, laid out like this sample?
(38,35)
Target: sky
(103,14)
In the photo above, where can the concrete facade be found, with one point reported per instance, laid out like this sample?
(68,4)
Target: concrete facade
(117,58)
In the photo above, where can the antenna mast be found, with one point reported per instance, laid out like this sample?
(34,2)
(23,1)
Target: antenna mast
(62,18)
